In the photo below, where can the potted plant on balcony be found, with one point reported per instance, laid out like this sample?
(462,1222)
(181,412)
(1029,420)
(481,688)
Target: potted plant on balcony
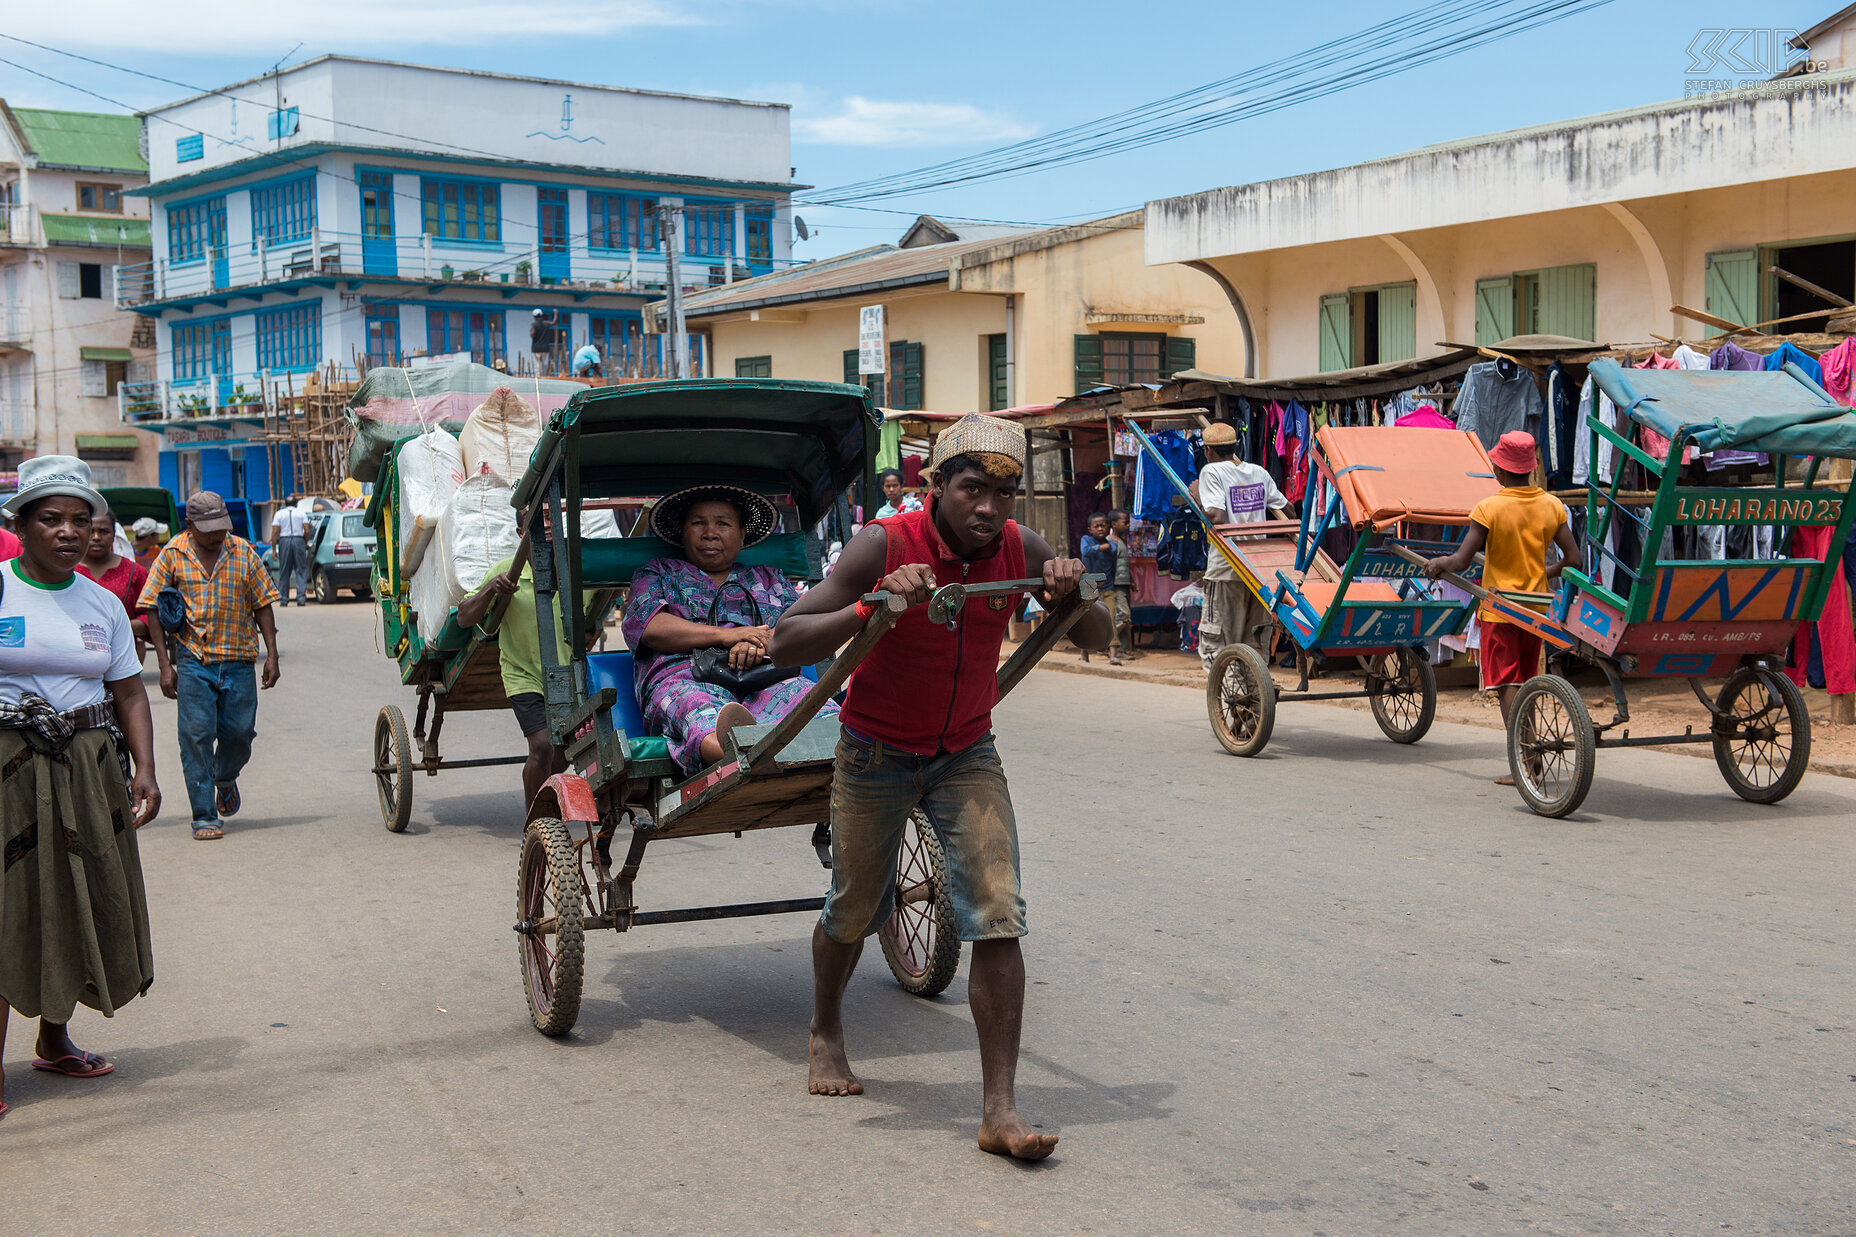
(473,276)
(525,271)
(191,405)
(445,271)
(243,400)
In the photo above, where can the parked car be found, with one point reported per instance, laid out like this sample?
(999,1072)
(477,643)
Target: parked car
(341,555)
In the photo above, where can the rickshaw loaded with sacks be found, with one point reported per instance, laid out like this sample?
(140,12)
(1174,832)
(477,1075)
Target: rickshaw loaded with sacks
(801,445)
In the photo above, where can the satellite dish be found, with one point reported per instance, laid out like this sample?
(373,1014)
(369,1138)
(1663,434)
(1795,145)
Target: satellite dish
(799,226)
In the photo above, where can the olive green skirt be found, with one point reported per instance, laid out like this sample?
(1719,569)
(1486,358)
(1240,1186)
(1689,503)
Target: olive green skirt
(73,914)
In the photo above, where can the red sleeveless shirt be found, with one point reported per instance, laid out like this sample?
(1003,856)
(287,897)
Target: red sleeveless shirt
(923,688)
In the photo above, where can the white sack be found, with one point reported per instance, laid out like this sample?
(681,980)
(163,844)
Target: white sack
(479,531)
(430,597)
(431,467)
(499,436)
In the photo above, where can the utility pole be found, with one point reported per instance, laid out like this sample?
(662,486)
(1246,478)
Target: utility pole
(668,236)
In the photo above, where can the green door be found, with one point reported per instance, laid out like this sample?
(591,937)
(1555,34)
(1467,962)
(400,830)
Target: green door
(1733,286)
(998,389)
(1568,301)
(1494,310)
(1398,322)
(1336,331)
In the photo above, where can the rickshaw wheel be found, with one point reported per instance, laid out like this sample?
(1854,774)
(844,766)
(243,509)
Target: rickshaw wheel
(1551,746)
(1240,697)
(393,751)
(1406,703)
(548,893)
(919,941)
(1764,753)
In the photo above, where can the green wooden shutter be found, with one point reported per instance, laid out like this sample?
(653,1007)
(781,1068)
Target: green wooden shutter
(1181,353)
(998,394)
(753,367)
(873,381)
(1336,331)
(1398,322)
(1088,361)
(905,375)
(1569,301)
(1494,309)
(1733,286)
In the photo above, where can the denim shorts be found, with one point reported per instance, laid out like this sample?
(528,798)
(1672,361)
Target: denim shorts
(874,789)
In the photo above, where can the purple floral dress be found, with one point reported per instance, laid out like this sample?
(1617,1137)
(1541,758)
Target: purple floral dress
(674,704)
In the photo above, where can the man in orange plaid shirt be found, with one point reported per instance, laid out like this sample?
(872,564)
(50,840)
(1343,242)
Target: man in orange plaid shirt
(207,667)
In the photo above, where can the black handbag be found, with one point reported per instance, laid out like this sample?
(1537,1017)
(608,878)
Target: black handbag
(711,665)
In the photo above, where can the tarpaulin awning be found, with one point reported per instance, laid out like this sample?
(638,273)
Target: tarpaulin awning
(1777,411)
(1386,474)
(392,404)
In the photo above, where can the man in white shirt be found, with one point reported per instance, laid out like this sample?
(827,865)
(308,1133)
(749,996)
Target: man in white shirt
(1231,492)
(289,533)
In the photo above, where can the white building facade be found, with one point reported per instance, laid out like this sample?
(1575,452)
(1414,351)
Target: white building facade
(353,212)
(67,223)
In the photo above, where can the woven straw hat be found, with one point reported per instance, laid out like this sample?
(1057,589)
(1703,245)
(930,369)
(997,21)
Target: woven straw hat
(1220,433)
(977,434)
(758,518)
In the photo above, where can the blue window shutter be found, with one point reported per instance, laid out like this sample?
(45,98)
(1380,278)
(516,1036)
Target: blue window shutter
(189,148)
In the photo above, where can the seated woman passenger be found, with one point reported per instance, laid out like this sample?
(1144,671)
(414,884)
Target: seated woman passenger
(702,599)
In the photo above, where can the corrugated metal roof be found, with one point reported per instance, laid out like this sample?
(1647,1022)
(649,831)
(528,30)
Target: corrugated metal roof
(95,230)
(99,140)
(886,267)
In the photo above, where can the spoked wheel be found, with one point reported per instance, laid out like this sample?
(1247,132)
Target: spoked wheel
(1763,744)
(393,768)
(1551,746)
(549,932)
(920,942)
(1240,697)
(1406,702)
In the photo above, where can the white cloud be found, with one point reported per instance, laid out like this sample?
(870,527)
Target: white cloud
(218,27)
(875,122)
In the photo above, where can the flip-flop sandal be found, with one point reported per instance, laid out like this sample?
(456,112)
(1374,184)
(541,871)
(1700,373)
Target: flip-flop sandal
(226,799)
(4,1108)
(208,833)
(89,1065)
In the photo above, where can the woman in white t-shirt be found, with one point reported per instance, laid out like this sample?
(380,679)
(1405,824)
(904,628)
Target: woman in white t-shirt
(73,915)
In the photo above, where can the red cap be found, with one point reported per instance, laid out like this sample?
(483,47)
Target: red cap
(1514,453)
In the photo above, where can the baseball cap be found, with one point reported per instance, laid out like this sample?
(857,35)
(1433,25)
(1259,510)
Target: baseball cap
(206,513)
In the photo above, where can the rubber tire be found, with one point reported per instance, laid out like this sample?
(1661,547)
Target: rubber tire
(1427,704)
(326,593)
(1584,751)
(547,845)
(1796,713)
(1259,674)
(942,954)
(393,745)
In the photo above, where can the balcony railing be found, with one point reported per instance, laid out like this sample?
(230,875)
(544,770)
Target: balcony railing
(18,225)
(423,258)
(222,396)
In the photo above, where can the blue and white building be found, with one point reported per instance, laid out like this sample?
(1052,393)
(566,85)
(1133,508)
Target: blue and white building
(348,211)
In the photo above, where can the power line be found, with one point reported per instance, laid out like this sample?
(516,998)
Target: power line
(1389,48)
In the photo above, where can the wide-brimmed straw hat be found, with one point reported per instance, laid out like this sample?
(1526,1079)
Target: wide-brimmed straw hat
(758,518)
(45,476)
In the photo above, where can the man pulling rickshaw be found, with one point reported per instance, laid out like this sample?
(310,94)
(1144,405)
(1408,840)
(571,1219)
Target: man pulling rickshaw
(917,732)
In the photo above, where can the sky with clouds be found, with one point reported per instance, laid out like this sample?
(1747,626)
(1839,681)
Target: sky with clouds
(881,86)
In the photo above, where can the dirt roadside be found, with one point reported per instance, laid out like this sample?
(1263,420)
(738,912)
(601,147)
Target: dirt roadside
(1657,706)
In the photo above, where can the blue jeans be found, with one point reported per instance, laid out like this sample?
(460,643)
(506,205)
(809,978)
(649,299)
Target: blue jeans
(218,719)
(874,788)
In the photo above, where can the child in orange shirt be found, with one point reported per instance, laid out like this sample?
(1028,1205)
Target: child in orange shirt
(1512,529)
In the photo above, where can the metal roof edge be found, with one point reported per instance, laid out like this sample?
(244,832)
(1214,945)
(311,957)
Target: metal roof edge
(297,154)
(19,132)
(822,294)
(1032,242)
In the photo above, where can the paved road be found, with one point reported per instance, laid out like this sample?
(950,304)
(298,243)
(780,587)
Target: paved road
(1344,988)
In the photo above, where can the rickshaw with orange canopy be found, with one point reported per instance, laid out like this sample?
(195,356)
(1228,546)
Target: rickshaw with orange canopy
(1401,495)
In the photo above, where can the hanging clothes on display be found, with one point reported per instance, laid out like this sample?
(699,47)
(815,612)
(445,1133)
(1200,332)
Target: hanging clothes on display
(1182,550)
(1732,356)
(1497,397)
(1654,443)
(1425,417)
(1839,365)
(1293,433)
(1155,493)
(1562,426)
(1798,356)
(1823,653)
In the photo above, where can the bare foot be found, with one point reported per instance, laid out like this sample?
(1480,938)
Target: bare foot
(831,1069)
(1506,779)
(1009,1134)
(730,716)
